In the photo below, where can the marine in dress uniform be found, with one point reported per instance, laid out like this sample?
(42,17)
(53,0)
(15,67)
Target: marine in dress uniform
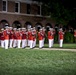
(31,38)
(75,34)
(6,37)
(43,31)
(40,37)
(28,38)
(14,37)
(2,37)
(19,37)
(61,37)
(53,36)
(24,37)
(50,37)
(11,37)
(34,37)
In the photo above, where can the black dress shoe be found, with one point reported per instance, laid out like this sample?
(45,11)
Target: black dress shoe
(14,47)
(23,47)
(40,48)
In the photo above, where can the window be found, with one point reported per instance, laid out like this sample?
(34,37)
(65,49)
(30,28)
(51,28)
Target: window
(4,8)
(28,8)
(38,10)
(17,7)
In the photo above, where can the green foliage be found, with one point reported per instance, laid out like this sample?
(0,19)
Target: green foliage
(58,11)
(56,38)
(61,14)
(68,37)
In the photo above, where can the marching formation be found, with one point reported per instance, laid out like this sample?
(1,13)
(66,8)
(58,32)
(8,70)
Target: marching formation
(22,37)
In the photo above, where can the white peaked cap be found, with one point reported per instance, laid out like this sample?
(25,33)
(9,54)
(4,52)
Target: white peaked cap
(2,29)
(10,27)
(31,28)
(50,29)
(40,29)
(19,29)
(6,27)
(43,27)
(14,28)
(6,24)
(23,28)
(60,29)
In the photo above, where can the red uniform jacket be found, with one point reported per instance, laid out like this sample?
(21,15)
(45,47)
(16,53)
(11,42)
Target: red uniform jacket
(11,35)
(50,35)
(61,35)
(6,34)
(40,36)
(24,36)
(31,36)
(29,32)
(1,36)
(34,35)
(19,35)
(14,35)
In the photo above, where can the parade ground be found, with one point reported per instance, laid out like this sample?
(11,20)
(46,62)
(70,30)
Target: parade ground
(45,61)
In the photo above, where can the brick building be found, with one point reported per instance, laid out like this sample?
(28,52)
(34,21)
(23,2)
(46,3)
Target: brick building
(22,13)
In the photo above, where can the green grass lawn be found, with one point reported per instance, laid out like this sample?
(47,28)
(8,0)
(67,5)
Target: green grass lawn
(37,62)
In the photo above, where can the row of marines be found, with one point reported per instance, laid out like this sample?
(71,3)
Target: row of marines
(12,37)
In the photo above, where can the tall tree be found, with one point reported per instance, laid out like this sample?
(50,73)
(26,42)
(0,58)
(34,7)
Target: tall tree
(59,10)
